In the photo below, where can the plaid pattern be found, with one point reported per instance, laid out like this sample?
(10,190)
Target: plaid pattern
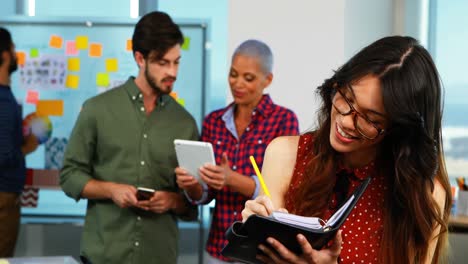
(268,121)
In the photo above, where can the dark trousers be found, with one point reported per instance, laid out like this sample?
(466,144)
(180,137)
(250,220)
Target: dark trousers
(10,220)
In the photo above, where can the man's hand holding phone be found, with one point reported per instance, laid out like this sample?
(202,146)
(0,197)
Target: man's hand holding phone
(144,194)
(159,201)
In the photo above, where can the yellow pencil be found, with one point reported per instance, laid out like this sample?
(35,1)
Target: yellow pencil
(259,175)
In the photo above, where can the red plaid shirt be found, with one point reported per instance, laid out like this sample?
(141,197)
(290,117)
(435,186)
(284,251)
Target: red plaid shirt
(268,122)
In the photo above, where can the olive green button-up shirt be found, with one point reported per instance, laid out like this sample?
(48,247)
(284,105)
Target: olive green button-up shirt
(114,140)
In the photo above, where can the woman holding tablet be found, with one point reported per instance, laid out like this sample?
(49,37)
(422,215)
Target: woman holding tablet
(243,128)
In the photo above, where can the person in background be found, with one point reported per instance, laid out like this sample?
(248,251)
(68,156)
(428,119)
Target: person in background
(380,118)
(123,139)
(242,129)
(13,148)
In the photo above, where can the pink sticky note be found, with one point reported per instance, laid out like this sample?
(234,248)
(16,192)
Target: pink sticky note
(70,48)
(32,96)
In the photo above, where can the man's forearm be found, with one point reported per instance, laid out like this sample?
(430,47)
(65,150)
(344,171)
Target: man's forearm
(95,189)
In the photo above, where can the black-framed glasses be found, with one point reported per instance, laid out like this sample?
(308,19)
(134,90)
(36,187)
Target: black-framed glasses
(363,125)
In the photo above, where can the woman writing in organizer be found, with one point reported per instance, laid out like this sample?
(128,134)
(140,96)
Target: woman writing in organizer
(243,128)
(380,118)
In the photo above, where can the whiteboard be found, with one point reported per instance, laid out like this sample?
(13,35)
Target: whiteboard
(37,37)
(33,36)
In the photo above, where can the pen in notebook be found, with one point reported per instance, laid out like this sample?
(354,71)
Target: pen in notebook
(259,175)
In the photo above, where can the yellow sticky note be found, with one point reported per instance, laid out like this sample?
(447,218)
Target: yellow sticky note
(102,79)
(95,50)
(186,45)
(72,81)
(129,46)
(34,53)
(4,261)
(81,42)
(21,57)
(112,65)
(49,108)
(74,64)
(181,101)
(56,42)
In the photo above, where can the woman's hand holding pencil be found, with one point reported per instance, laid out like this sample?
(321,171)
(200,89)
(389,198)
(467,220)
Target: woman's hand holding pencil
(259,176)
(262,205)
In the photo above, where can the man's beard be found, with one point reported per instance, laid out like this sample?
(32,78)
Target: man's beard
(13,64)
(152,83)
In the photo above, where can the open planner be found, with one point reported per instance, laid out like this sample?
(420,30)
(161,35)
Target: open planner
(244,237)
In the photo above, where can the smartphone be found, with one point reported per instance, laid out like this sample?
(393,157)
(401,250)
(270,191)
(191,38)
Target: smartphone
(144,193)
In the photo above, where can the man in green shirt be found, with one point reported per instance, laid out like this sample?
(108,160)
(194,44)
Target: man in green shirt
(123,139)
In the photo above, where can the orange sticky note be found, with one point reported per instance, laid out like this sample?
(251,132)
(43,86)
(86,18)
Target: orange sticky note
(173,95)
(129,45)
(81,42)
(95,50)
(21,56)
(56,42)
(112,65)
(73,64)
(49,108)
(102,79)
(72,81)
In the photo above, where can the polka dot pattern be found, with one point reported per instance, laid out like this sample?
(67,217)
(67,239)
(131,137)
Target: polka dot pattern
(362,230)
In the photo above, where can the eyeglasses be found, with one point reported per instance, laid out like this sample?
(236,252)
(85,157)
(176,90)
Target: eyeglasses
(363,125)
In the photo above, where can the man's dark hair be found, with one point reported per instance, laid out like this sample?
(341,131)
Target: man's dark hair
(155,34)
(5,42)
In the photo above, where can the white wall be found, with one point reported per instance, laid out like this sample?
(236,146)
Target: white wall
(307,40)
(365,22)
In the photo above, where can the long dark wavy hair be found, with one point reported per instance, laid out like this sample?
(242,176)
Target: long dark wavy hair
(410,156)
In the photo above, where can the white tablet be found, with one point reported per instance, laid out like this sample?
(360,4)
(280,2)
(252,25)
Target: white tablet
(192,155)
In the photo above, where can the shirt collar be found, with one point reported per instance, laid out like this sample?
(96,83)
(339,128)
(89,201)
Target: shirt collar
(228,118)
(264,107)
(360,173)
(135,93)
(228,113)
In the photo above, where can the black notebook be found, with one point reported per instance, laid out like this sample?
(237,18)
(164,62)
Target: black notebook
(244,237)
